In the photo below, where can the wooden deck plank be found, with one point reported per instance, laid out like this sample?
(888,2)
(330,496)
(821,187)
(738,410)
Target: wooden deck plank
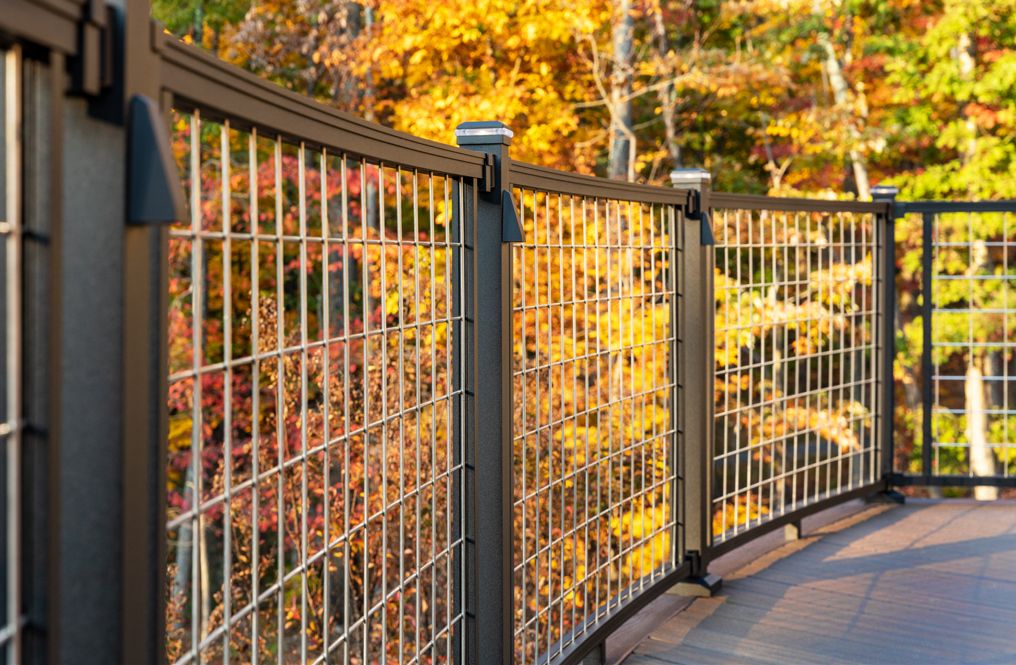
(929,582)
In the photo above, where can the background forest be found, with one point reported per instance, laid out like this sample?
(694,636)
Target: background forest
(813,97)
(771,96)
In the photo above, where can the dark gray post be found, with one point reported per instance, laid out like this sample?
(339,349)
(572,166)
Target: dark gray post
(487,335)
(696,309)
(886,229)
(108,349)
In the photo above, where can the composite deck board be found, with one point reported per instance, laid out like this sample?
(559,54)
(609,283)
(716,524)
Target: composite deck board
(928,582)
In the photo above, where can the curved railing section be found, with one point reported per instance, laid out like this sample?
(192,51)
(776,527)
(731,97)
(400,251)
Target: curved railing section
(798,380)
(315,452)
(594,302)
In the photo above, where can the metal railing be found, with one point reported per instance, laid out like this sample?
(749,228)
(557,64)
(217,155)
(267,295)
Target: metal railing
(595,405)
(360,397)
(798,312)
(964,434)
(315,454)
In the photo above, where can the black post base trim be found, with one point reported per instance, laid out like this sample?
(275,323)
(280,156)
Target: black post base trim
(887,496)
(704,586)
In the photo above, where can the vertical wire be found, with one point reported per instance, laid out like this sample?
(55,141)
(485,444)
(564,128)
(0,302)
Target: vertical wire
(832,388)
(460,397)
(347,378)
(675,479)
(13,427)
(599,390)
(849,377)
(549,427)
(197,314)
(383,364)
(400,331)
(730,341)
(225,157)
(877,448)
(433,428)
(811,320)
(741,431)
(304,470)
(1005,338)
(252,167)
(523,436)
(847,365)
(757,443)
(971,306)
(576,352)
(325,334)
(366,429)
(785,387)
(561,526)
(587,401)
(611,387)
(280,420)
(449,407)
(801,325)
(537,422)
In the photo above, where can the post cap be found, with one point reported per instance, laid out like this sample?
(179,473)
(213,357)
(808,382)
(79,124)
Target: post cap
(884,191)
(484,131)
(690,178)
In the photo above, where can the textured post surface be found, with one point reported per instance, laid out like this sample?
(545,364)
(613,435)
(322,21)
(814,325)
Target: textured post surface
(695,373)
(487,379)
(887,275)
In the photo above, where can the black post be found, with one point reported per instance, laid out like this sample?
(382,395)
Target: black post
(928,386)
(696,311)
(886,229)
(108,343)
(487,389)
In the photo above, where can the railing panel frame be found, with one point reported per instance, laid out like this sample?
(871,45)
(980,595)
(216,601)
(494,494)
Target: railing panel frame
(929,211)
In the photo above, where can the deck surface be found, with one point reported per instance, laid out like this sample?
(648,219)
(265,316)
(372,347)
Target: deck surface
(929,582)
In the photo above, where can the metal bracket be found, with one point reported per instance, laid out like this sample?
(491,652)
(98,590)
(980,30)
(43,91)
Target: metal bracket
(511,228)
(693,210)
(92,69)
(154,195)
(487,182)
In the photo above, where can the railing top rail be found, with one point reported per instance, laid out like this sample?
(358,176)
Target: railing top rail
(49,23)
(757,202)
(201,81)
(530,176)
(956,206)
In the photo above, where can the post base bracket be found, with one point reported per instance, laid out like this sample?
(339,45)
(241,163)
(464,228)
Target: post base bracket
(704,586)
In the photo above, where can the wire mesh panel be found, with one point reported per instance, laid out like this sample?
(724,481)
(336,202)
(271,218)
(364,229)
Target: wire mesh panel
(796,381)
(972,418)
(11,423)
(315,409)
(594,413)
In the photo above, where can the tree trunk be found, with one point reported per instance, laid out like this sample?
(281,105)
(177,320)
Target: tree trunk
(666,94)
(982,460)
(372,208)
(841,97)
(965,58)
(621,162)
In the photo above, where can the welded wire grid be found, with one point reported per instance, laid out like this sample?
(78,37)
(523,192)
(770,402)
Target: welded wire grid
(314,465)
(594,413)
(973,418)
(11,423)
(795,362)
